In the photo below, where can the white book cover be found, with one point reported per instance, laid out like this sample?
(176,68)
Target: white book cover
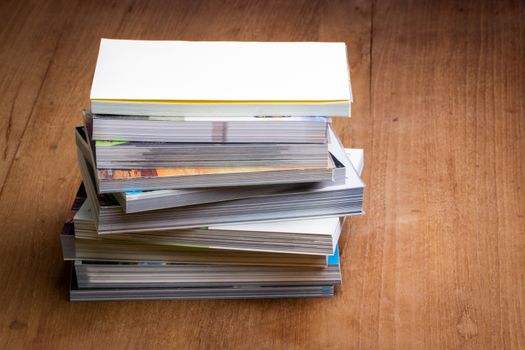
(221,71)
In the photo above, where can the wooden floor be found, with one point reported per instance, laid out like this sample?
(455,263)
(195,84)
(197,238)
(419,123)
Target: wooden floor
(437,262)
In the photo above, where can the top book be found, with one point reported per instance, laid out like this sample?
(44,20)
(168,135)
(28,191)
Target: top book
(226,79)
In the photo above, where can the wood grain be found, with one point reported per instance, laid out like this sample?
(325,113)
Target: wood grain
(437,262)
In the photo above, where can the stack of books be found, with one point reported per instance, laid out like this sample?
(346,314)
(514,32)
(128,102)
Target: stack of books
(211,170)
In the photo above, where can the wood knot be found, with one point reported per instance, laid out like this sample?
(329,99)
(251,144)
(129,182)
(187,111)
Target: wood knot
(466,326)
(17,325)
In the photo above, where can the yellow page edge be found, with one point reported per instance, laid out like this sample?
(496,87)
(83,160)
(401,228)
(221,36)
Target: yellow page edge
(220,101)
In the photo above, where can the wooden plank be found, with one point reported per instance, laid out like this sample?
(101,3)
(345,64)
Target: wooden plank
(44,176)
(445,169)
(29,39)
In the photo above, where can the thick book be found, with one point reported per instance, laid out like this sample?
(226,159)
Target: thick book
(152,155)
(196,293)
(208,129)
(107,274)
(138,201)
(184,78)
(315,201)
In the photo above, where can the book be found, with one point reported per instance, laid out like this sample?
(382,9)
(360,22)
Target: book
(196,293)
(107,274)
(152,155)
(312,202)
(184,78)
(208,129)
(138,201)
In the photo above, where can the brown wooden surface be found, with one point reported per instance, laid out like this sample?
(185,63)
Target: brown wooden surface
(437,262)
